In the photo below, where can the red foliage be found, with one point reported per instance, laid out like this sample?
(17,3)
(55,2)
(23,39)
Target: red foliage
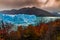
(35,31)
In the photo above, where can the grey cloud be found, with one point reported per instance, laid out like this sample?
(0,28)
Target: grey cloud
(9,4)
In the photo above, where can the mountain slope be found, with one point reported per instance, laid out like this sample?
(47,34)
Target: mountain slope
(30,11)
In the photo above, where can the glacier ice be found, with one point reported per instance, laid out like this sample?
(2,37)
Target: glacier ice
(25,19)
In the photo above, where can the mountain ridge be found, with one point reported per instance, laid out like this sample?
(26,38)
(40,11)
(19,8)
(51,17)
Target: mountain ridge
(30,11)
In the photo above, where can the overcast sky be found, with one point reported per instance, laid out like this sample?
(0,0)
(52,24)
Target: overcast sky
(17,4)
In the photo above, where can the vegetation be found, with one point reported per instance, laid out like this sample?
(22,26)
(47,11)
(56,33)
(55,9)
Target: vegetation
(44,31)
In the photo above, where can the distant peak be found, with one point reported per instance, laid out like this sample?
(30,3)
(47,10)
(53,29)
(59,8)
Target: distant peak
(31,11)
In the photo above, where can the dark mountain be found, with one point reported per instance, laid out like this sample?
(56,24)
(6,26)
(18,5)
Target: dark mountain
(30,11)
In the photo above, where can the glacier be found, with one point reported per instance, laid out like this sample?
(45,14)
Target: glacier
(19,19)
(24,20)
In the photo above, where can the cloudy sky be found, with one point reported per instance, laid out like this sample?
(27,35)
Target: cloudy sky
(51,5)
